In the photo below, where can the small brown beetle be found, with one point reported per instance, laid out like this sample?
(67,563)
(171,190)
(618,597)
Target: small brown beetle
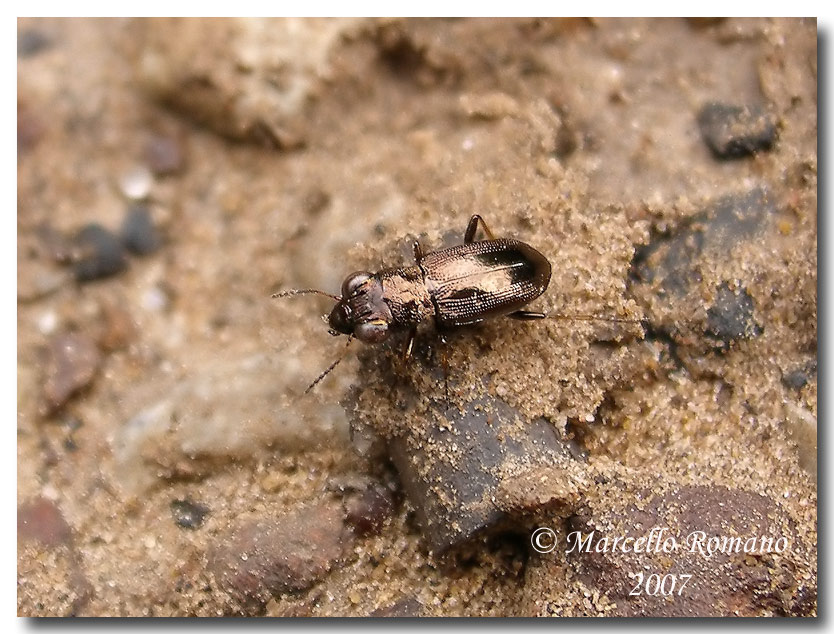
(457,286)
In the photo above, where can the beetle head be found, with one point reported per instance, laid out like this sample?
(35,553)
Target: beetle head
(361,311)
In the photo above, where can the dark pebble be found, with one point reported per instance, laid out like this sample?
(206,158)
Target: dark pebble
(72,362)
(797,379)
(188,514)
(731,315)
(736,131)
(164,155)
(367,511)
(30,42)
(139,234)
(99,254)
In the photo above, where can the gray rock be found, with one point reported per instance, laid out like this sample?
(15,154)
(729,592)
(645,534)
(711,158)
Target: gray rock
(139,234)
(98,254)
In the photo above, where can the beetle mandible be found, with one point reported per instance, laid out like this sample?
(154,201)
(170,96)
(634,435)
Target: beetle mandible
(456,286)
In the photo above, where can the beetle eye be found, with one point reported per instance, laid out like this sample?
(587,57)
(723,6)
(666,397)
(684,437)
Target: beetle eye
(354,281)
(371,332)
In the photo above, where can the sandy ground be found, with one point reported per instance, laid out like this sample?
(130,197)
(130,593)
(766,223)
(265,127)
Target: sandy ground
(173,174)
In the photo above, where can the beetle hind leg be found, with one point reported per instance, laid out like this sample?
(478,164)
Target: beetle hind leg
(527,315)
(472,228)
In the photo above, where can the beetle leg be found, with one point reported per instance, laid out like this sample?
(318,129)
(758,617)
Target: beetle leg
(527,315)
(472,227)
(418,252)
(409,344)
(444,361)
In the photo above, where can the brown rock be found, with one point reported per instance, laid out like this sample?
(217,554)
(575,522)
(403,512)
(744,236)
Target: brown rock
(164,154)
(72,362)
(50,575)
(269,555)
(366,512)
(118,327)
(41,520)
(728,582)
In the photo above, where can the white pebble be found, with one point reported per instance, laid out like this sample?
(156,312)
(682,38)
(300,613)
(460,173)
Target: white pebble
(154,299)
(48,322)
(136,184)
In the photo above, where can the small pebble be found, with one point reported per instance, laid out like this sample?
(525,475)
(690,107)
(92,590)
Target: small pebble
(30,128)
(154,299)
(733,131)
(139,234)
(164,155)
(30,42)
(367,512)
(271,554)
(188,514)
(48,322)
(797,379)
(315,201)
(118,327)
(42,521)
(136,184)
(72,362)
(99,254)
(731,315)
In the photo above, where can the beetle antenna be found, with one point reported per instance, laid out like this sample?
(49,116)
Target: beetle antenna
(305,291)
(332,365)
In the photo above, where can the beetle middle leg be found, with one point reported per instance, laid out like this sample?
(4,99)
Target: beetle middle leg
(472,227)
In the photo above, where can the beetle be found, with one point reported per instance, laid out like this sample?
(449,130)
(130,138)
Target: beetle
(457,286)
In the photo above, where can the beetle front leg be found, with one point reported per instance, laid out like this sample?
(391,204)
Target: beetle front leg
(472,227)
